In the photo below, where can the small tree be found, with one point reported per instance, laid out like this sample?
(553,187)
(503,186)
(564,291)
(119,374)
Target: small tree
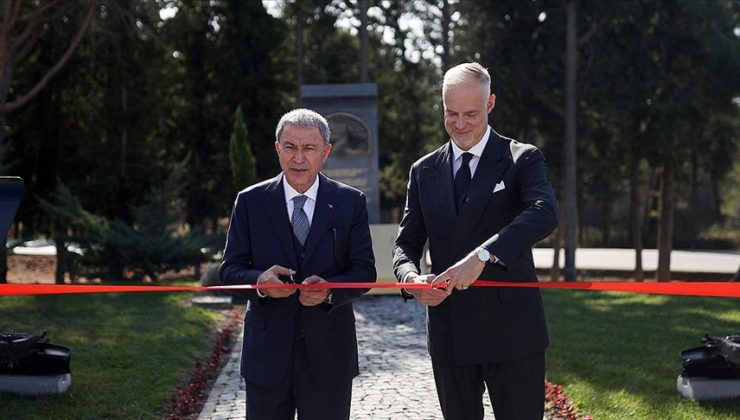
(156,242)
(243,162)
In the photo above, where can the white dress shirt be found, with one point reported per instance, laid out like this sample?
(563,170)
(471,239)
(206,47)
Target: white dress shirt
(310,203)
(476,151)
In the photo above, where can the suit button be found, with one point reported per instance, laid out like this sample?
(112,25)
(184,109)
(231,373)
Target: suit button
(483,301)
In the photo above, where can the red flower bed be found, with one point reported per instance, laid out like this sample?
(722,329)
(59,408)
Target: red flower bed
(186,399)
(558,406)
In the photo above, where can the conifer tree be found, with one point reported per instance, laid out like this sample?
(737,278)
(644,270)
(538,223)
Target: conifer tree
(243,162)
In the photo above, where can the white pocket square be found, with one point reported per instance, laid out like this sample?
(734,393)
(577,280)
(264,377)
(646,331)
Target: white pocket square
(500,186)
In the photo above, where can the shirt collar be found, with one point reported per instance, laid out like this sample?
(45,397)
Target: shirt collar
(311,193)
(476,150)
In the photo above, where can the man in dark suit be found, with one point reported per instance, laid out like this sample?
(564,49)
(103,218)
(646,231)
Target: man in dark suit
(481,201)
(300,349)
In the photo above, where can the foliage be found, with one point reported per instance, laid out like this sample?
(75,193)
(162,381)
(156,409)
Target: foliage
(115,250)
(617,354)
(129,351)
(157,80)
(558,405)
(243,165)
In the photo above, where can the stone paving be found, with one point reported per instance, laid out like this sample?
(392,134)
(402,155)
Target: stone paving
(395,380)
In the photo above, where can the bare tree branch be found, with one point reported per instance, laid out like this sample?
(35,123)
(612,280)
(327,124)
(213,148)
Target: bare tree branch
(19,55)
(13,105)
(40,11)
(30,29)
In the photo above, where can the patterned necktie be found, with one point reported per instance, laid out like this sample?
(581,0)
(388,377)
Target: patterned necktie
(300,219)
(462,179)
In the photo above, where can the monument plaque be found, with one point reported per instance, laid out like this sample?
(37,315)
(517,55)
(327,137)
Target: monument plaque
(351,110)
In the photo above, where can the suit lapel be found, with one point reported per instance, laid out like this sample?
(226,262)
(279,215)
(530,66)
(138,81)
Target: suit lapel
(491,167)
(323,215)
(278,213)
(439,186)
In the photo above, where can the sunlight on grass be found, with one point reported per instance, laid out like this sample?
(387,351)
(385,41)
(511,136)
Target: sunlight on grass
(617,354)
(129,350)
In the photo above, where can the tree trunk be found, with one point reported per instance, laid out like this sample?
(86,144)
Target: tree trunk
(364,41)
(716,200)
(606,220)
(570,205)
(62,258)
(3,129)
(124,129)
(555,269)
(636,216)
(445,35)
(299,55)
(665,226)
(695,210)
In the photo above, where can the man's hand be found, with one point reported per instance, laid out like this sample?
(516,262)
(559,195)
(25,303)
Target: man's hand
(429,297)
(270,276)
(461,275)
(312,297)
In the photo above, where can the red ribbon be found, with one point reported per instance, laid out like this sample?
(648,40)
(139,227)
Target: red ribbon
(717,289)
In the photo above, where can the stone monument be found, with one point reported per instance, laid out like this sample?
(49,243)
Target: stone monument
(351,110)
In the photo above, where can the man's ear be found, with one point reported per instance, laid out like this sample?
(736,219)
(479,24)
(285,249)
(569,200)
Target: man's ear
(491,103)
(327,151)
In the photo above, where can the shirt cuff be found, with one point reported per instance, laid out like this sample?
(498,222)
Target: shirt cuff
(405,292)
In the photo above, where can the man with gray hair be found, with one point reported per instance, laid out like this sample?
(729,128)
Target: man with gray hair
(481,201)
(300,348)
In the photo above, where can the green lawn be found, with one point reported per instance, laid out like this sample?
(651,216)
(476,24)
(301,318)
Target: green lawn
(129,351)
(617,354)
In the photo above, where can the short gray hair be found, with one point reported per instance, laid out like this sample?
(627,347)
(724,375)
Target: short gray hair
(467,72)
(304,118)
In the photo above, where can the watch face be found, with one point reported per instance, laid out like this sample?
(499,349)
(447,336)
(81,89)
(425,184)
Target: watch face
(484,255)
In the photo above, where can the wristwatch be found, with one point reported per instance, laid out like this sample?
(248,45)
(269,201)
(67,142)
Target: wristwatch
(485,256)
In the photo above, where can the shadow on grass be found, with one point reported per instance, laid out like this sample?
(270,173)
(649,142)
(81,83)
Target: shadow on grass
(620,351)
(129,350)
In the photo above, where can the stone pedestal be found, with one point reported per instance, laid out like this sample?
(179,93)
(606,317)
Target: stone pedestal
(212,302)
(35,384)
(698,389)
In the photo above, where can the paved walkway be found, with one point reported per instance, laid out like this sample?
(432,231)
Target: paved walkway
(395,379)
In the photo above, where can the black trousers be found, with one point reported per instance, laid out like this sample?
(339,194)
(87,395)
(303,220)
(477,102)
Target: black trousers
(516,388)
(298,391)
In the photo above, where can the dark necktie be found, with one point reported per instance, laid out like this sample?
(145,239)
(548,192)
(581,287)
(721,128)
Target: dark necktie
(462,179)
(300,219)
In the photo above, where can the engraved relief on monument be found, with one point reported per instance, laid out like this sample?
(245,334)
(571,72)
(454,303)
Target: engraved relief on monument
(350,135)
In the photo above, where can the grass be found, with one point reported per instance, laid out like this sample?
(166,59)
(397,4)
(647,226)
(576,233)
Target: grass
(617,354)
(129,351)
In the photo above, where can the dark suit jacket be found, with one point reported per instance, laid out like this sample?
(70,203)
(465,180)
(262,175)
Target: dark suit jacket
(338,249)
(481,325)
